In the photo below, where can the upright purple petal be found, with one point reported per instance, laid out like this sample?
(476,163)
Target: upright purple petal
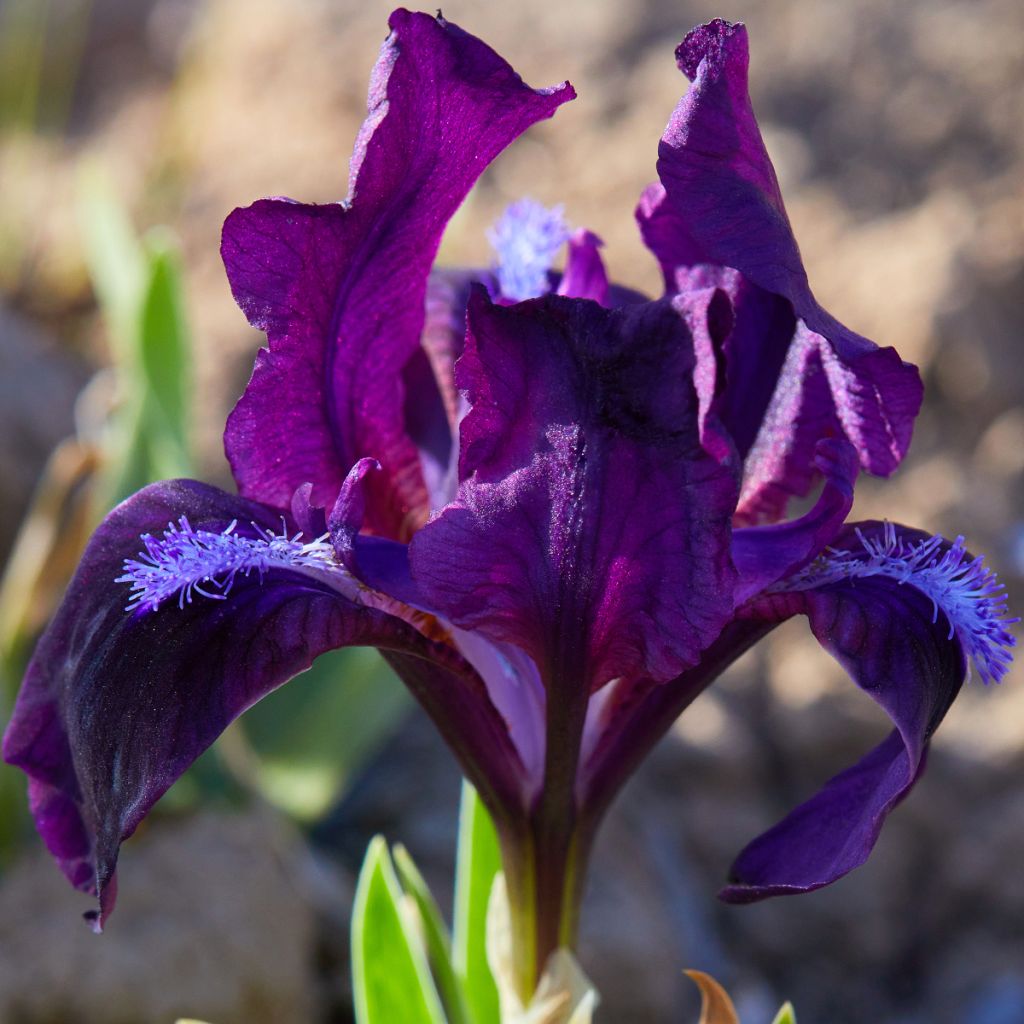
(444,331)
(723,206)
(584,276)
(340,289)
(118,702)
(753,347)
(591,529)
(899,611)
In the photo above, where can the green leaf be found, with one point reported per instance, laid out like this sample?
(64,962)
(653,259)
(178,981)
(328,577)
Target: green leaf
(786,1015)
(390,976)
(164,343)
(479,861)
(140,297)
(114,256)
(435,936)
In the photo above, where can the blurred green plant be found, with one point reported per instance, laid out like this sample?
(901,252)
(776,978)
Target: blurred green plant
(41,48)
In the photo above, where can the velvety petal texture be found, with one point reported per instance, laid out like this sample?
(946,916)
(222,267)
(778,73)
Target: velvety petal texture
(895,640)
(340,289)
(591,529)
(118,702)
(721,205)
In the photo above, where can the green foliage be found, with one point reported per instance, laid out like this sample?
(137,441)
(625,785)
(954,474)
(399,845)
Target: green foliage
(138,286)
(435,938)
(786,1015)
(390,973)
(479,861)
(400,942)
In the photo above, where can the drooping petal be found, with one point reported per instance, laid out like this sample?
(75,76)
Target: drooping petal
(899,611)
(340,288)
(726,209)
(224,607)
(591,529)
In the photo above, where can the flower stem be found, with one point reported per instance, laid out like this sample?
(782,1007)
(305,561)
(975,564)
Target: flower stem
(544,874)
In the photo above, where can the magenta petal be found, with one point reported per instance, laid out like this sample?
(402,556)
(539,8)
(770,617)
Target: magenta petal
(117,703)
(726,209)
(347,516)
(664,231)
(340,289)
(753,348)
(897,646)
(444,331)
(763,555)
(590,529)
(584,276)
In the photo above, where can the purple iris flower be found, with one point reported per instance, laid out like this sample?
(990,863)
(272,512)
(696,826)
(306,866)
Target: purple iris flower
(558,508)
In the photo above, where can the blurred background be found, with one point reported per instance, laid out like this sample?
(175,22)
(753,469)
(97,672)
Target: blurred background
(130,128)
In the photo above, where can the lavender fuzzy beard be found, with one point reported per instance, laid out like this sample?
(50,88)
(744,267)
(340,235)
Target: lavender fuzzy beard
(964,589)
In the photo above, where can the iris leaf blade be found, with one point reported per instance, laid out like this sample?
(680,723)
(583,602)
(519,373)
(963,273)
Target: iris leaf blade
(786,1014)
(435,937)
(390,977)
(479,861)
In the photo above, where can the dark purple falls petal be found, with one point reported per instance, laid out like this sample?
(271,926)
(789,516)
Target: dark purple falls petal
(340,289)
(590,529)
(897,647)
(117,703)
(722,205)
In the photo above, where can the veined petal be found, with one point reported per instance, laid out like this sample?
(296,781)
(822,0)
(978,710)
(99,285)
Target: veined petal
(340,288)
(224,606)
(725,208)
(591,528)
(901,612)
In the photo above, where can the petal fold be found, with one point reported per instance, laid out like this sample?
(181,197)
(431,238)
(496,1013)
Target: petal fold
(763,555)
(590,529)
(340,289)
(722,205)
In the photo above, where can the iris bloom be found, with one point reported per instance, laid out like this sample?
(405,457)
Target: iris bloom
(557,508)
